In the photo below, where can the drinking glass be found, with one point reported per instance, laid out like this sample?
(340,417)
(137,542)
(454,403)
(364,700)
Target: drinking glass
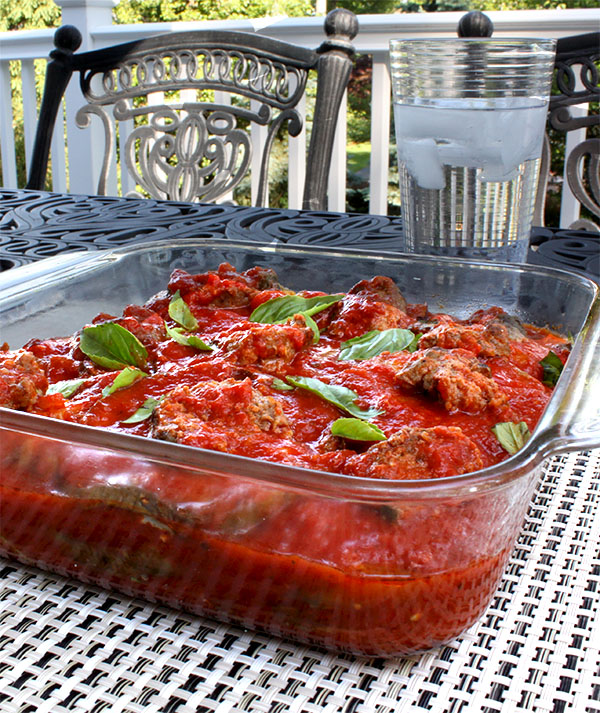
(470,117)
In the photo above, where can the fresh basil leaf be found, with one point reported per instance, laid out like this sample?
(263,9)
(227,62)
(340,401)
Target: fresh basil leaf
(66,388)
(112,346)
(279,309)
(144,411)
(181,313)
(357,430)
(552,366)
(198,343)
(377,341)
(337,395)
(280,385)
(188,340)
(310,322)
(126,377)
(512,436)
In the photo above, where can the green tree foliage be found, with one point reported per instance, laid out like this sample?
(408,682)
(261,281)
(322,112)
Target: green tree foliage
(489,5)
(129,11)
(366,7)
(436,6)
(28,14)
(25,15)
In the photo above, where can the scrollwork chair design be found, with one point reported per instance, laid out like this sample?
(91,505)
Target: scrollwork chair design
(577,82)
(184,103)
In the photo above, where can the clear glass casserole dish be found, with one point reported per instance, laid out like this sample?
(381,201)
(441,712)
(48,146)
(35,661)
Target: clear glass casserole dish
(202,530)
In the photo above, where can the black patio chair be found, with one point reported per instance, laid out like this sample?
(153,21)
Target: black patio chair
(577,58)
(200,149)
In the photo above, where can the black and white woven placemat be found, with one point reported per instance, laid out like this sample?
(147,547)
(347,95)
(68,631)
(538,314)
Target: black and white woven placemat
(69,647)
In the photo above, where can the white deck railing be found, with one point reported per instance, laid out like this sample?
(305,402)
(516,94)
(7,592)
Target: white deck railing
(93,18)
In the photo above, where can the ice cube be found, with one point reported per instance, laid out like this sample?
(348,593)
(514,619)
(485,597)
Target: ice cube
(423,162)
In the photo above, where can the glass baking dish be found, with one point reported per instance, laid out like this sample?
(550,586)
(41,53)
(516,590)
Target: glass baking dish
(186,527)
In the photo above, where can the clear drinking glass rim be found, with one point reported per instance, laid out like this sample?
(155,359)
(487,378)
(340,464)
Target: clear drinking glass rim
(515,41)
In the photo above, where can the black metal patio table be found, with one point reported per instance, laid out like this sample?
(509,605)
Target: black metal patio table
(65,646)
(36,224)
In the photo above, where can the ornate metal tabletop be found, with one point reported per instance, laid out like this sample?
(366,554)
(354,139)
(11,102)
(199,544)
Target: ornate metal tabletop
(36,224)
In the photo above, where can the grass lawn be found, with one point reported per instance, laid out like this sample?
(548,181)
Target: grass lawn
(358,156)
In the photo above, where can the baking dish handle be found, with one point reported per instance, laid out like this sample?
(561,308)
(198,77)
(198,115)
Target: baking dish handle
(576,422)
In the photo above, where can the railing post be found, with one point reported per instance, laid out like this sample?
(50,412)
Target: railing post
(7,137)
(380,135)
(85,148)
(86,15)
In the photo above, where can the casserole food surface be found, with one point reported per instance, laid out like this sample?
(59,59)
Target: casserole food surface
(334,561)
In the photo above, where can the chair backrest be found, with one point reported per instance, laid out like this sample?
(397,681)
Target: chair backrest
(577,82)
(178,107)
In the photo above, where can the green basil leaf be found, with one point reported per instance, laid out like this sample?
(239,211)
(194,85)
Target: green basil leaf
(66,388)
(280,385)
(126,377)
(188,340)
(144,411)
(279,309)
(198,343)
(112,346)
(512,436)
(357,430)
(339,396)
(310,322)
(377,341)
(181,313)
(552,366)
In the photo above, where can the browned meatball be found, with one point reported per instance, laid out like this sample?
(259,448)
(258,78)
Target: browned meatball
(488,340)
(357,315)
(456,376)
(261,278)
(143,323)
(269,345)
(416,453)
(497,316)
(224,288)
(370,304)
(219,415)
(380,289)
(22,379)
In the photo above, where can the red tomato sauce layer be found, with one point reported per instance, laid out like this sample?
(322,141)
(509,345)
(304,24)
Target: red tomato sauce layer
(360,383)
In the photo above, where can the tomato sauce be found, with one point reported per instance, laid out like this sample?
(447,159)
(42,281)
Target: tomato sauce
(204,367)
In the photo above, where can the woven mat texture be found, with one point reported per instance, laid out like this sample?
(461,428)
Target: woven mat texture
(69,647)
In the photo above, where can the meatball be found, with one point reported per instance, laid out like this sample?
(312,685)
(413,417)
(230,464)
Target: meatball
(380,289)
(487,340)
(416,453)
(219,415)
(461,381)
(262,278)
(267,345)
(224,288)
(496,316)
(369,305)
(22,379)
(145,324)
